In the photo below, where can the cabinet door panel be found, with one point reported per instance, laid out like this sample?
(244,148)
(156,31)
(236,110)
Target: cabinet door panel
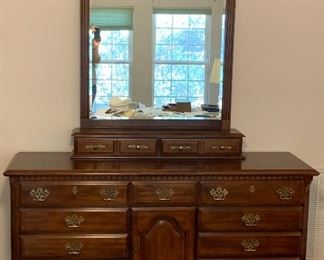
(163,234)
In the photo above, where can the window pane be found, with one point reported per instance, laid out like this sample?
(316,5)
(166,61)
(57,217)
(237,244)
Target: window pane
(163,36)
(162,72)
(110,77)
(180,58)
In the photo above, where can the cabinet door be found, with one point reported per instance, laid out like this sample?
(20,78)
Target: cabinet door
(163,234)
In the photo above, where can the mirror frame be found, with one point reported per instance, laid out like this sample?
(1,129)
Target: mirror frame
(223,124)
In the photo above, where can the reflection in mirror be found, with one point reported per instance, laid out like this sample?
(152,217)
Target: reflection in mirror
(158,59)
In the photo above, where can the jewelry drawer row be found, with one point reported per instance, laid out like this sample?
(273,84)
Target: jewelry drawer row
(144,193)
(152,147)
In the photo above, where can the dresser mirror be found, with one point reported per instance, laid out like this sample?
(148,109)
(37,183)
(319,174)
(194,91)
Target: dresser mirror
(156,63)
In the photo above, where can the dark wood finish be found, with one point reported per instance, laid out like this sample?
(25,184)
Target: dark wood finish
(95,246)
(224,123)
(138,147)
(247,193)
(61,194)
(164,193)
(268,219)
(97,221)
(163,234)
(94,143)
(186,222)
(213,245)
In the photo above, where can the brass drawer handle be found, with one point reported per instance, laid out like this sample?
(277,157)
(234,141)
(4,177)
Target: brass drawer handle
(74,247)
(218,193)
(250,219)
(250,245)
(109,194)
(164,193)
(74,221)
(39,194)
(96,147)
(138,146)
(180,147)
(222,147)
(286,193)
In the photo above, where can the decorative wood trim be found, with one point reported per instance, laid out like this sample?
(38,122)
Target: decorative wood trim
(228,63)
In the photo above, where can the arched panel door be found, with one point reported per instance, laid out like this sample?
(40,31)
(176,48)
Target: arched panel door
(163,235)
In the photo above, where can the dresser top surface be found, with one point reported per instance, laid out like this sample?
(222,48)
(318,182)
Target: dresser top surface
(60,163)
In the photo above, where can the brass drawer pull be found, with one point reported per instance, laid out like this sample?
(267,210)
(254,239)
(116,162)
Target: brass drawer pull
(74,247)
(109,194)
(164,193)
(74,221)
(286,193)
(138,147)
(39,194)
(250,219)
(180,147)
(222,147)
(96,147)
(218,193)
(250,245)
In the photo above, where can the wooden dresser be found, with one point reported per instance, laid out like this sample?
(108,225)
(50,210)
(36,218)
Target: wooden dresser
(159,209)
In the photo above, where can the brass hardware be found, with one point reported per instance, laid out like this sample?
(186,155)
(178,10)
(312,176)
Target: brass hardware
(109,194)
(180,147)
(39,194)
(222,147)
(218,193)
(74,247)
(164,193)
(252,189)
(250,219)
(95,147)
(75,190)
(250,245)
(74,221)
(138,146)
(286,193)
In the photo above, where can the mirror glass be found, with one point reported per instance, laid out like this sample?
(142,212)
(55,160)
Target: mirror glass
(156,59)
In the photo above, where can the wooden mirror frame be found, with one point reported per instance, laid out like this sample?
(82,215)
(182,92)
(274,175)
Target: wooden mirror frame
(223,124)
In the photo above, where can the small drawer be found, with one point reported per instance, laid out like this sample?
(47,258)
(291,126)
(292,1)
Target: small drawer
(252,245)
(73,194)
(98,221)
(167,193)
(78,247)
(138,146)
(250,219)
(222,146)
(94,145)
(177,147)
(247,193)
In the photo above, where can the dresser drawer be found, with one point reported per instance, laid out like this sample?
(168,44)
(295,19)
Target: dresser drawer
(222,146)
(267,193)
(73,194)
(250,219)
(138,146)
(97,221)
(165,193)
(180,147)
(78,247)
(214,245)
(94,145)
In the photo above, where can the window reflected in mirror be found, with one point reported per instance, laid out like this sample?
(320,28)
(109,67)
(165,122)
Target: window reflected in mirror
(174,70)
